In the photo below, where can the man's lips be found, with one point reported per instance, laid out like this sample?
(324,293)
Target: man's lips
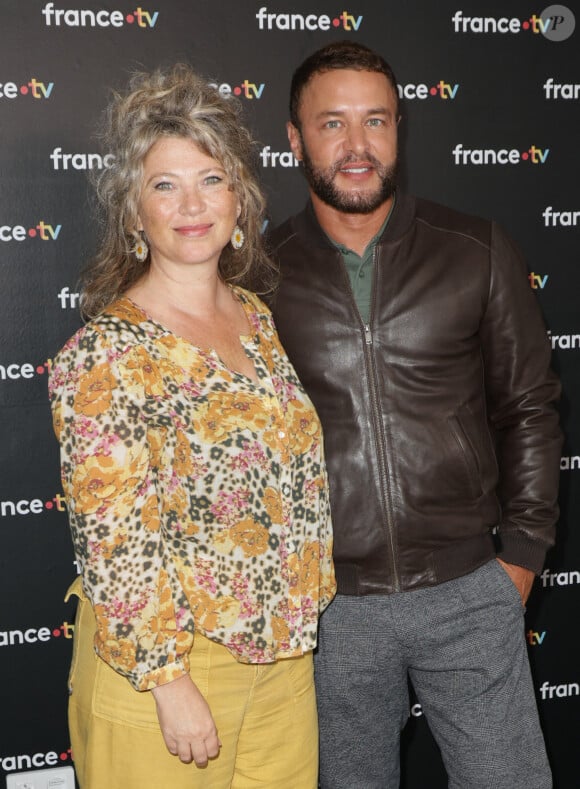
(357,169)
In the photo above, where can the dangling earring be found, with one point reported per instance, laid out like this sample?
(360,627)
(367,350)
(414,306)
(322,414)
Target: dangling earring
(141,250)
(238,238)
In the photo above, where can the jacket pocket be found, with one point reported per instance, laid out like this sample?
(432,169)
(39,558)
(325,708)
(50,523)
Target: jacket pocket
(467,454)
(474,439)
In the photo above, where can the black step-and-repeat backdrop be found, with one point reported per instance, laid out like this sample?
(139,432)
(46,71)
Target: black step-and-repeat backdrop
(491,102)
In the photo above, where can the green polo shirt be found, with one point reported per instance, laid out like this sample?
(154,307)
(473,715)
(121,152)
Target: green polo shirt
(360,270)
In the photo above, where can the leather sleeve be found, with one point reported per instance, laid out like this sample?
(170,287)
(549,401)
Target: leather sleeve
(522,392)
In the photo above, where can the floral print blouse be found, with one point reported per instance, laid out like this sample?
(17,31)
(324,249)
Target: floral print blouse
(197,498)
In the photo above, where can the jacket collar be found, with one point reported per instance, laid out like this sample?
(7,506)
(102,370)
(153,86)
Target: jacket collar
(306,223)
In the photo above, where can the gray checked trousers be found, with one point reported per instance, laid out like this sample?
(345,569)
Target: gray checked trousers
(462,644)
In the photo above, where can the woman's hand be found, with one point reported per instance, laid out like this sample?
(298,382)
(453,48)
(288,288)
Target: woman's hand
(186,721)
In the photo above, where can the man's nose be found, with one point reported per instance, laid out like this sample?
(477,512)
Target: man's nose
(357,138)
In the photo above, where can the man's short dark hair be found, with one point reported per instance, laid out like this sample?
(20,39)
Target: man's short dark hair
(338,55)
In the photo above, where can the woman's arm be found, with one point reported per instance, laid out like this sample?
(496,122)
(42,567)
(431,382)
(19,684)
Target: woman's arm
(110,479)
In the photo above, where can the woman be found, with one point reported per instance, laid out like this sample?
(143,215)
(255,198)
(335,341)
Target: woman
(193,471)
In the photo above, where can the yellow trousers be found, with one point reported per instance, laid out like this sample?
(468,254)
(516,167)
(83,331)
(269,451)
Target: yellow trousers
(265,717)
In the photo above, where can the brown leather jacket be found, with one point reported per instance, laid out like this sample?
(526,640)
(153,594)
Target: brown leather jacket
(441,434)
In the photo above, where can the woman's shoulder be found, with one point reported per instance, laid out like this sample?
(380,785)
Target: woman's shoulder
(253,300)
(116,329)
(121,319)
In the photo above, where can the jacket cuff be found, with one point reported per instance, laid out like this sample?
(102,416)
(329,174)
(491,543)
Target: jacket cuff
(517,548)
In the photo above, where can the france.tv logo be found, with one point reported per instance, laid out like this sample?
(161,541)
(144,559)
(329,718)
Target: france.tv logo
(285,21)
(35,88)
(42,231)
(75,17)
(555,22)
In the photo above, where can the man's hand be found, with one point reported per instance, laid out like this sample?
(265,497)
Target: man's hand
(186,722)
(522,578)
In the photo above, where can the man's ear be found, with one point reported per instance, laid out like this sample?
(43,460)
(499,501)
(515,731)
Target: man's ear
(295,140)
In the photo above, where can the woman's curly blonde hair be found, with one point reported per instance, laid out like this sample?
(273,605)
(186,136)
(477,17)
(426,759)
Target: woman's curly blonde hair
(173,103)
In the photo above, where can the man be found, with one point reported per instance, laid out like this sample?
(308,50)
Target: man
(415,331)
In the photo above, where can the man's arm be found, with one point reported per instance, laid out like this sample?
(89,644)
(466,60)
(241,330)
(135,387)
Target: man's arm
(522,392)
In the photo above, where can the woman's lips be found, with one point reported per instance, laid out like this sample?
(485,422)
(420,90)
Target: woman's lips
(193,230)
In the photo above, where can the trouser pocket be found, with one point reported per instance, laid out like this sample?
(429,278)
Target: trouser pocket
(76,590)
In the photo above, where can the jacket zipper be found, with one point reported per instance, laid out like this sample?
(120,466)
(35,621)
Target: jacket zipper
(376,412)
(378,426)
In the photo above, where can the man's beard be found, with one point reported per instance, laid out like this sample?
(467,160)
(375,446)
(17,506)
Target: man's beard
(322,184)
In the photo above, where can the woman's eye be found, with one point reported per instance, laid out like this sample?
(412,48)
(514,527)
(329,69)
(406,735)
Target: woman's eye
(213,179)
(163,186)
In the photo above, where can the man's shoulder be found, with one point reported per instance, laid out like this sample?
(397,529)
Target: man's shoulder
(296,232)
(282,233)
(289,231)
(445,219)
